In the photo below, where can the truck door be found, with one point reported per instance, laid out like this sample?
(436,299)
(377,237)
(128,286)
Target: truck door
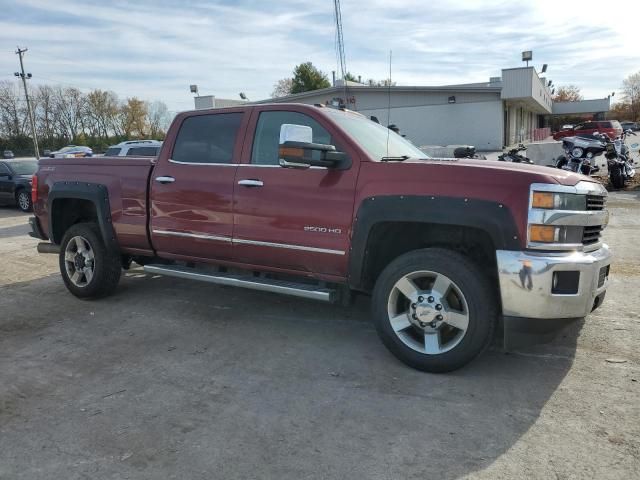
(295,219)
(192,187)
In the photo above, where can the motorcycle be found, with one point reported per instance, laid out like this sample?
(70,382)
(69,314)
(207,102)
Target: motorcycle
(619,162)
(580,153)
(514,155)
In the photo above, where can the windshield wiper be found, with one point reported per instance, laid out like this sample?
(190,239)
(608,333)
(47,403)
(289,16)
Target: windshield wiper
(395,159)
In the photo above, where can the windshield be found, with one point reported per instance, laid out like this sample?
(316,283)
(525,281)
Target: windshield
(377,140)
(24,168)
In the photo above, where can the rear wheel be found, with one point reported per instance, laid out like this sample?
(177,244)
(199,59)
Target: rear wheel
(23,200)
(88,268)
(434,310)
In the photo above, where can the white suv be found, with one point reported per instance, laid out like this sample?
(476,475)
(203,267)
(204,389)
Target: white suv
(135,148)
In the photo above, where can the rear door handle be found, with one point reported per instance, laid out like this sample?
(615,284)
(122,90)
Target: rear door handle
(251,183)
(165,180)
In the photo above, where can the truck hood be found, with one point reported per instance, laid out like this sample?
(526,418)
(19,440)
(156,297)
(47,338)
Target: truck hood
(541,173)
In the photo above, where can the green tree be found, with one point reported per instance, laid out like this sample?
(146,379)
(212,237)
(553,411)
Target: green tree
(350,77)
(306,77)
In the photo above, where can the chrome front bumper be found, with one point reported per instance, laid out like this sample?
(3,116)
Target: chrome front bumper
(534,299)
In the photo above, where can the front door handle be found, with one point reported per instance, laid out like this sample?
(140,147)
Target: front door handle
(249,182)
(165,180)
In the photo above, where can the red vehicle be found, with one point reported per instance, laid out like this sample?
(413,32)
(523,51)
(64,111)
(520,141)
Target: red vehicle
(611,128)
(322,203)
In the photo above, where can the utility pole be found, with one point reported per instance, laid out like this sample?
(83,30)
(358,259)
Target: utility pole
(21,74)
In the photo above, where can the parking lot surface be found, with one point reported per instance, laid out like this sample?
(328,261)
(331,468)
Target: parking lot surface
(176,379)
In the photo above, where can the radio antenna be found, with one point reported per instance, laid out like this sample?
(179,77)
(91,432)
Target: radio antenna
(389,104)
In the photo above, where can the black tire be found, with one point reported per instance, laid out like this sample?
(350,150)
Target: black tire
(480,298)
(23,200)
(616,178)
(107,265)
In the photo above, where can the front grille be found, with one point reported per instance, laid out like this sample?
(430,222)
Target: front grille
(591,235)
(596,202)
(602,277)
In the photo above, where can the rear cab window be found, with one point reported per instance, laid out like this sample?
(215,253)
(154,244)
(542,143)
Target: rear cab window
(207,139)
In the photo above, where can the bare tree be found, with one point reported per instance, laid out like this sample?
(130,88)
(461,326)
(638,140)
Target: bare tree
(282,88)
(158,119)
(12,111)
(70,108)
(631,93)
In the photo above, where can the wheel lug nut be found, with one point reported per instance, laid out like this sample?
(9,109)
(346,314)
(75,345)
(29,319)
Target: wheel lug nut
(413,305)
(421,299)
(422,324)
(415,317)
(430,299)
(439,317)
(438,307)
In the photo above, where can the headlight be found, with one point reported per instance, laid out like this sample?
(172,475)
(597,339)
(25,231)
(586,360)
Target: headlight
(589,154)
(559,201)
(577,152)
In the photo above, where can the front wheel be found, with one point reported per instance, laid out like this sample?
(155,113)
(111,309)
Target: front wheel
(616,177)
(434,309)
(88,268)
(23,200)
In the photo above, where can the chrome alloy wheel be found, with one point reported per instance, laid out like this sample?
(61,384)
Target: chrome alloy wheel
(79,261)
(24,200)
(428,312)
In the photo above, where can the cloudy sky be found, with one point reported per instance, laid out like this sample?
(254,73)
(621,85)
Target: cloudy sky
(154,49)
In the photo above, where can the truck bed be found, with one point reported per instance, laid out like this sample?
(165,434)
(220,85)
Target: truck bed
(127,180)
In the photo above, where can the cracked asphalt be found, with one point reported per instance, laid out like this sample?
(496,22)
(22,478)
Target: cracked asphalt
(176,379)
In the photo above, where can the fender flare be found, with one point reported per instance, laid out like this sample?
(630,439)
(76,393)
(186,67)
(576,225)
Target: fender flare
(95,193)
(491,217)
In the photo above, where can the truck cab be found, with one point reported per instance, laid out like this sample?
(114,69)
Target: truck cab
(324,204)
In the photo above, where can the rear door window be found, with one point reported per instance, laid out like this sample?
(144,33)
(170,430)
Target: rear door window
(208,139)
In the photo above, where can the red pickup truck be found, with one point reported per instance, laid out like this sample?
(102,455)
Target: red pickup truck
(324,203)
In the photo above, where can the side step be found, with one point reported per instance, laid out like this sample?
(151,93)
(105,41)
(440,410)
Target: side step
(246,281)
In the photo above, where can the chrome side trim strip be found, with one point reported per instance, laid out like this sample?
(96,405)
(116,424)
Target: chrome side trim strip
(204,163)
(248,242)
(193,235)
(289,246)
(254,283)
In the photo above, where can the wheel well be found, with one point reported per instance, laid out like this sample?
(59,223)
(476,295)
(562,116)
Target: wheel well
(66,212)
(389,240)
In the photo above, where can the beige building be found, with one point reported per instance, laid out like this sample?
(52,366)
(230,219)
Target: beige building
(505,110)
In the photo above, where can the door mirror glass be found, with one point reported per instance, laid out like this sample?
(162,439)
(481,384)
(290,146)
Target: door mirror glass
(296,149)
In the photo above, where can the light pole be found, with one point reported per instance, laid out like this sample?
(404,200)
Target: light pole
(24,77)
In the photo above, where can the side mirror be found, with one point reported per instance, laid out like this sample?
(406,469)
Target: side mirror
(297,149)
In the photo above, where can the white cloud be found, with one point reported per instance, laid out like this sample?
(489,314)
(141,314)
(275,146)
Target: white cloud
(155,49)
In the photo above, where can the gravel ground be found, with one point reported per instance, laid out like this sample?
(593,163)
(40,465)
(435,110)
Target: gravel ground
(175,379)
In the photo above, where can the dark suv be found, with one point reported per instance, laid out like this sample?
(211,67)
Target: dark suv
(611,128)
(15,182)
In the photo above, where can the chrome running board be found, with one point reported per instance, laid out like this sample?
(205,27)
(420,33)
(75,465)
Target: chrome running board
(246,281)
